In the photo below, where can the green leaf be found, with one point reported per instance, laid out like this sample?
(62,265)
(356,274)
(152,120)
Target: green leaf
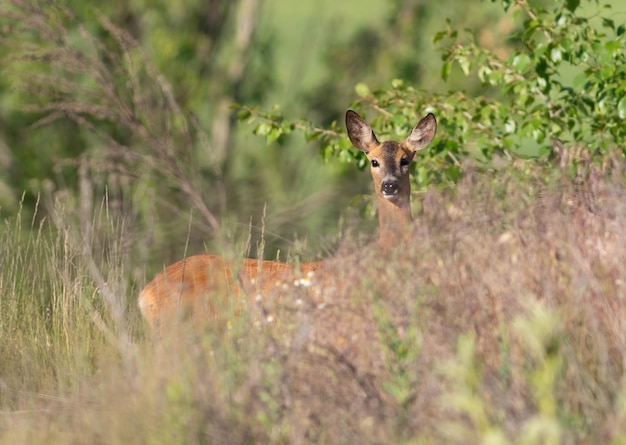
(539,135)
(362,90)
(273,135)
(608,23)
(521,62)
(542,83)
(483,73)
(262,129)
(243,114)
(540,50)
(344,144)
(445,70)
(579,81)
(440,35)
(621,108)
(465,64)
(312,135)
(556,54)
(453,173)
(510,126)
(613,46)
(572,4)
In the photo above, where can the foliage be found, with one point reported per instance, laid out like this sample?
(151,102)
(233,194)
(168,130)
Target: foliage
(81,88)
(131,99)
(563,76)
(399,45)
(140,93)
(540,100)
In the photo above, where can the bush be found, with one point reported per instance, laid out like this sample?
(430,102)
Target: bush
(563,75)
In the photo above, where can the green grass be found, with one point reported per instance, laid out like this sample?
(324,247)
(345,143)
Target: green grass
(501,322)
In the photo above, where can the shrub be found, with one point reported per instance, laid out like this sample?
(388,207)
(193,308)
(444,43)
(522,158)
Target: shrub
(563,75)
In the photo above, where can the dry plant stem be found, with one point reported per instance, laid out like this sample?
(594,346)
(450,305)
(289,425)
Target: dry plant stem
(112,298)
(80,240)
(145,105)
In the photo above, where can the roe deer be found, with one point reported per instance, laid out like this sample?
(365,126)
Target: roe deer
(193,283)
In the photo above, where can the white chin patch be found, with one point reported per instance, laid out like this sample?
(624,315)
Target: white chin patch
(390,195)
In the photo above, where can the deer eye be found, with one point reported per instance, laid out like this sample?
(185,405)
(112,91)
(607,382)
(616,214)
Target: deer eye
(404,162)
(375,163)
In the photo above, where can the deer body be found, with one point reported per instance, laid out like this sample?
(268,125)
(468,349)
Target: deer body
(194,283)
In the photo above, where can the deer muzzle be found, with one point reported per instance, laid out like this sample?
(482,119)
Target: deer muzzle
(389,189)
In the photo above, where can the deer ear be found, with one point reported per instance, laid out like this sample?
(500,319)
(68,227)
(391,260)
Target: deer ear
(423,133)
(360,133)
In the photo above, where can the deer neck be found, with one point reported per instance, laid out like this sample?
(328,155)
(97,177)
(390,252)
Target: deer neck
(393,219)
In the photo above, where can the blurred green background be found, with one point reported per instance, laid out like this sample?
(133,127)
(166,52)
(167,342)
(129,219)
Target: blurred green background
(305,57)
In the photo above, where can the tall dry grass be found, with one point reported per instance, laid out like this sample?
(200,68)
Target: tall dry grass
(500,321)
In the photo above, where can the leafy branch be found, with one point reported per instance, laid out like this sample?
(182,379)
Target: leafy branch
(562,76)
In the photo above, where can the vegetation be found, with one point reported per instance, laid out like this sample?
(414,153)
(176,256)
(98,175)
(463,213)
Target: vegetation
(561,77)
(501,322)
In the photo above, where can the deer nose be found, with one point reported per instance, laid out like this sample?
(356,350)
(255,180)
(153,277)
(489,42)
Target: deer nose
(389,189)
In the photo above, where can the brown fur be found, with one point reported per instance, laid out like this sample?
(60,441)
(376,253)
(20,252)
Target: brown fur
(191,286)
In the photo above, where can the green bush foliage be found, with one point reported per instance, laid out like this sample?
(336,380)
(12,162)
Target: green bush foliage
(562,75)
